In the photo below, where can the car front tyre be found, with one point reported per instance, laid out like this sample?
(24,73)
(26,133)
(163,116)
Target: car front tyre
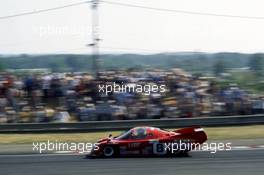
(109,151)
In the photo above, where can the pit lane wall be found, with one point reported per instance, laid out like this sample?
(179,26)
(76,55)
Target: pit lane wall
(92,126)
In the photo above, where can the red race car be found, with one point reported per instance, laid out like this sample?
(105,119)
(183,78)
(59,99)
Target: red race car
(150,141)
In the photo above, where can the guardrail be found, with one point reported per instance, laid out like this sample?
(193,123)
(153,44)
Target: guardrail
(126,124)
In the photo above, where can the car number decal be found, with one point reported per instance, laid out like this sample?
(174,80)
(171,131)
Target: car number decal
(159,148)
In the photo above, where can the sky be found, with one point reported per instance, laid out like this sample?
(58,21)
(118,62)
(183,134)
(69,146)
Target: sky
(132,30)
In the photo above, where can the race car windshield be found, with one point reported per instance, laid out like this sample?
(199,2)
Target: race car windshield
(124,136)
(138,133)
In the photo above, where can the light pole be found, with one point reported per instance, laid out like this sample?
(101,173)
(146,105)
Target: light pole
(95,38)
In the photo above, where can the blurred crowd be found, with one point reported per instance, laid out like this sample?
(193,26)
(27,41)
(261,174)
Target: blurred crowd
(66,97)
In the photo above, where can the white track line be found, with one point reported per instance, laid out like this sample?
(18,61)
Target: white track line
(64,153)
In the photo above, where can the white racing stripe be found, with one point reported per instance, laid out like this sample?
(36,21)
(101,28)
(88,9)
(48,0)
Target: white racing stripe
(198,129)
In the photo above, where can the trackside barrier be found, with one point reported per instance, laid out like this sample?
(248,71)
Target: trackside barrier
(92,126)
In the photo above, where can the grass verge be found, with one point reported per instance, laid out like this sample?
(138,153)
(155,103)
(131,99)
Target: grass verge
(215,133)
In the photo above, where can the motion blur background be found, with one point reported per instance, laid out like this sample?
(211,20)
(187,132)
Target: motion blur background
(54,54)
(209,57)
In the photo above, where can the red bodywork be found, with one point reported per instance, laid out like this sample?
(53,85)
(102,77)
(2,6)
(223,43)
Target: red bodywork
(143,141)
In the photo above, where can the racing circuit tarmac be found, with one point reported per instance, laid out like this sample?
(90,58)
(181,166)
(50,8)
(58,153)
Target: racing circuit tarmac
(242,162)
